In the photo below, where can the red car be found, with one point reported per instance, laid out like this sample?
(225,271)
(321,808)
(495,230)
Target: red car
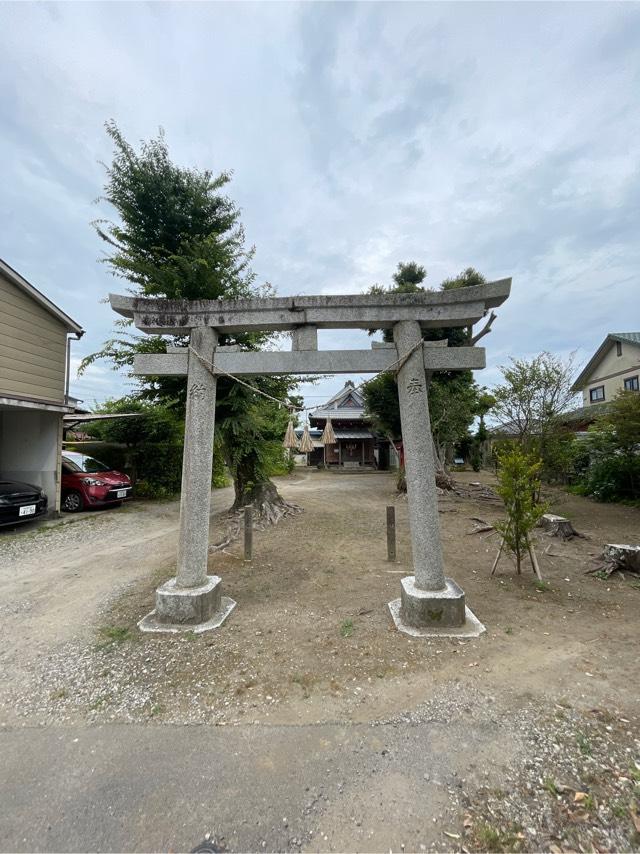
(86,482)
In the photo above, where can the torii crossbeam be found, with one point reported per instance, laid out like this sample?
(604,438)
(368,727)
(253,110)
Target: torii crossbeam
(430,603)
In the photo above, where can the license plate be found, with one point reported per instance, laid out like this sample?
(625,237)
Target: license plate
(121,493)
(27,510)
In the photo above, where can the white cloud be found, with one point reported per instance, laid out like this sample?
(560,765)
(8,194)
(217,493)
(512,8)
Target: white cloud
(503,136)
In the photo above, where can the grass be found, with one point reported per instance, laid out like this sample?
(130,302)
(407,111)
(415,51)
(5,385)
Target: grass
(542,586)
(98,704)
(584,744)
(346,629)
(111,636)
(58,694)
(550,787)
(619,809)
(508,630)
(490,838)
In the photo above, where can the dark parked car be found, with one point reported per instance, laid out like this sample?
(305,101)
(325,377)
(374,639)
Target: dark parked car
(86,482)
(20,502)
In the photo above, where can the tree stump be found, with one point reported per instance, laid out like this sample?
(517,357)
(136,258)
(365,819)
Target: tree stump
(622,557)
(558,526)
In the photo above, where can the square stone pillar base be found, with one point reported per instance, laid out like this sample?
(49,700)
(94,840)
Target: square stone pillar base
(434,613)
(188,609)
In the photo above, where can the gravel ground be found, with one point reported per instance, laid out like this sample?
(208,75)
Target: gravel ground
(573,783)
(530,731)
(33,541)
(460,772)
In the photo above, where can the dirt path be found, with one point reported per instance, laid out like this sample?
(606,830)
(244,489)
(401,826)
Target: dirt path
(56,579)
(548,696)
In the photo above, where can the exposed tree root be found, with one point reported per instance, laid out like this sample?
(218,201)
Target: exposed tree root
(269,507)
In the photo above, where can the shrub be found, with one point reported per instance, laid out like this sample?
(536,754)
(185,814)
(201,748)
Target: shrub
(612,452)
(518,486)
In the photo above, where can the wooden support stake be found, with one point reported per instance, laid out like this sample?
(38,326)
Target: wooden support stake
(534,561)
(495,563)
(391,533)
(248,532)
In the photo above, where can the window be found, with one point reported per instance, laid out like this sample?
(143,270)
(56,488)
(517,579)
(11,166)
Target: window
(596,393)
(80,462)
(631,383)
(618,348)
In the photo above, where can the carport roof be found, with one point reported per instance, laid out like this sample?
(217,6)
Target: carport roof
(20,282)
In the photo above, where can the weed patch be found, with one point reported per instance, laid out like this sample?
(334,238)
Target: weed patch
(111,636)
(346,629)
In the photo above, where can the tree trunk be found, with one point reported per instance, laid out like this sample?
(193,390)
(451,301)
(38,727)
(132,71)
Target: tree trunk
(443,478)
(253,488)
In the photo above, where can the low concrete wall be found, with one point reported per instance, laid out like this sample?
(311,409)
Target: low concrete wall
(30,442)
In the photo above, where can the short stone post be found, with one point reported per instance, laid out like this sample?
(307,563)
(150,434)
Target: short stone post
(248,533)
(391,532)
(429,603)
(192,601)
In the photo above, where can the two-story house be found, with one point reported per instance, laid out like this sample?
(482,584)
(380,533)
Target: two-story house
(615,366)
(34,376)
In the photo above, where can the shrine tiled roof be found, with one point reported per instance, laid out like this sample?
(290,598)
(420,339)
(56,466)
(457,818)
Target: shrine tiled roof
(338,414)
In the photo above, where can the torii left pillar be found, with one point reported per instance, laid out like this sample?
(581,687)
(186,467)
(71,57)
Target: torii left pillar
(193,601)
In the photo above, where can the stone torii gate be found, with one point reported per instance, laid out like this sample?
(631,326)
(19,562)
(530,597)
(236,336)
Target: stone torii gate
(429,602)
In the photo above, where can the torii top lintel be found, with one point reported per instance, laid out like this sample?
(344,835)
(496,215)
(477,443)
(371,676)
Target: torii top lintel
(456,307)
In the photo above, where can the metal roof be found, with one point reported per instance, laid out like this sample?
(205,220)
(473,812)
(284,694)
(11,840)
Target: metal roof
(88,417)
(20,282)
(623,337)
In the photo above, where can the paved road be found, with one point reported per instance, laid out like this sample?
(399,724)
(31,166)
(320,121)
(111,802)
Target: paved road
(257,788)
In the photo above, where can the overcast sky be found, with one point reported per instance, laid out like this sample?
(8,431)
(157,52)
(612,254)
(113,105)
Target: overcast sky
(501,136)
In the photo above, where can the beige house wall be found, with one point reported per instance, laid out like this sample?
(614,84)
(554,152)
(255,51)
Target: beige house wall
(612,371)
(33,348)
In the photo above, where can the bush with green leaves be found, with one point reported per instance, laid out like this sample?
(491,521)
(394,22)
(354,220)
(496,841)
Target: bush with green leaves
(148,446)
(613,452)
(519,484)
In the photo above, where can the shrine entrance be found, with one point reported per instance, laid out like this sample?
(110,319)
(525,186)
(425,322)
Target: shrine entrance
(429,602)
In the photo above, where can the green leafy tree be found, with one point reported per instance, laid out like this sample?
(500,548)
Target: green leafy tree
(530,401)
(478,444)
(148,446)
(613,451)
(485,402)
(533,395)
(519,483)
(177,235)
(452,394)
(623,417)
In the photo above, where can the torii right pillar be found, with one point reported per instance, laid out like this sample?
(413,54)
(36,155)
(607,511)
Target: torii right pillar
(430,604)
